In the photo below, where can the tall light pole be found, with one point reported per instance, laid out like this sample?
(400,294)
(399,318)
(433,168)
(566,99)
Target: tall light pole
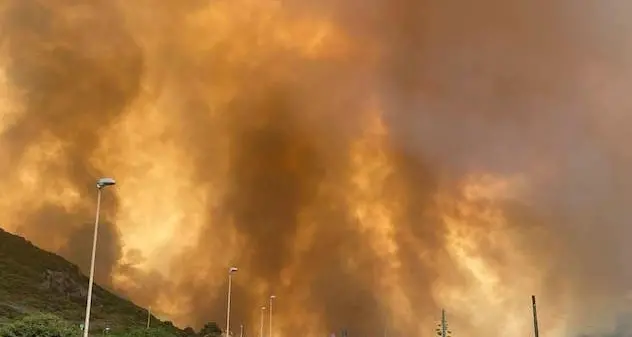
(272,297)
(148,316)
(231,271)
(241,330)
(263,310)
(101,184)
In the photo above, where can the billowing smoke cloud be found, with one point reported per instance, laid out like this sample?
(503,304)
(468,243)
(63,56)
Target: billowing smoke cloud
(70,87)
(369,162)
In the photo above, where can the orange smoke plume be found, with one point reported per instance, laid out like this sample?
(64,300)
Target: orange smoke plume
(368,162)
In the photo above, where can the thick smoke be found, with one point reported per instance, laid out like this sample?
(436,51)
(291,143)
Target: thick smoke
(328,149)
(71,85)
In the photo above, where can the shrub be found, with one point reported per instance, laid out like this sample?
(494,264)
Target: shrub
(143,332)
(40,325)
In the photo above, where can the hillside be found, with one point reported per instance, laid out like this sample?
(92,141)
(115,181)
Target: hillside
(33,280)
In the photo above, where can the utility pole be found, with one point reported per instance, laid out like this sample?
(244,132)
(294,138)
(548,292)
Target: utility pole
(444,326)
(535,317)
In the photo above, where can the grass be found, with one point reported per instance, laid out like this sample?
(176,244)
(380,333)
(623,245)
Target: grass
(22,272)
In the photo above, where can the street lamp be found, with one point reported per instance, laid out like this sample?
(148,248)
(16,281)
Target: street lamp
(231,271)
(272,297)
(101,184)
(263,310)
(148,316)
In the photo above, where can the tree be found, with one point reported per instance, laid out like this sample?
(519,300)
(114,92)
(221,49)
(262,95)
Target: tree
(211,329)
(188,331)
(144,332)
(39,325)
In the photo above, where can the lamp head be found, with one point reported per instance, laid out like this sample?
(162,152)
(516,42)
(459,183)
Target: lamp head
(104,182)
(233,270)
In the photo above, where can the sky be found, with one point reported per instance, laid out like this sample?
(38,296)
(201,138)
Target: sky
(367,162)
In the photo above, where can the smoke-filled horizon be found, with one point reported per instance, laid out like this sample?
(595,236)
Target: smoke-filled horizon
(368,162)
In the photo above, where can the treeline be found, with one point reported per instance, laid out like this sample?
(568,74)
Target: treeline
(47,325)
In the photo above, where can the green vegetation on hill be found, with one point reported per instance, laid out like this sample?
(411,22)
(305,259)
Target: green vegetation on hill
(47,325)
(34,282)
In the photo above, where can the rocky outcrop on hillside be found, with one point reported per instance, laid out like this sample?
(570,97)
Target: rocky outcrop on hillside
(63,283)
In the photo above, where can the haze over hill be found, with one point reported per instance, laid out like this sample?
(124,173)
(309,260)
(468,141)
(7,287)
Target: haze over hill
(369,162)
